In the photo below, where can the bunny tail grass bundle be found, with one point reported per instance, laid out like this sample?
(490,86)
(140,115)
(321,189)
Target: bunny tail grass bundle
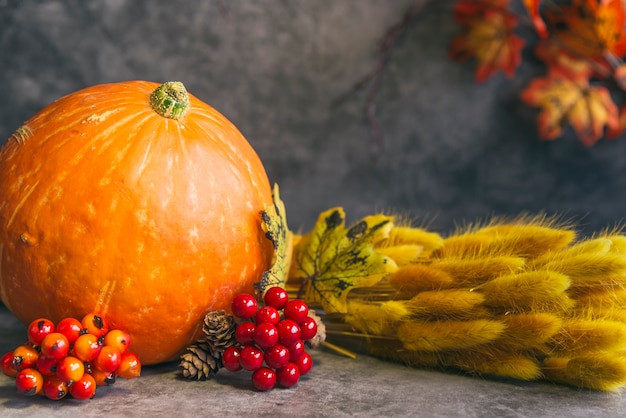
(524,299)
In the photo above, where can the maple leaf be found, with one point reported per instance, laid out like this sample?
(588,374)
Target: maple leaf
(467,11)
(587,108)
(619,75)
(561,60)
(332,260)
(620,126)
(590,28)
(492,42)
(532,6)
(274,224)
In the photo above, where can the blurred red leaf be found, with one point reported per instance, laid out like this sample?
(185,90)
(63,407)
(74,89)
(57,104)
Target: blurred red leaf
(620,127)
(467,11)
(532,6)
(561,60)
(590,28)
(589,109)
(619,75)
(492,42)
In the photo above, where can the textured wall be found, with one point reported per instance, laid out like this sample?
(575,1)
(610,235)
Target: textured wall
(455,151)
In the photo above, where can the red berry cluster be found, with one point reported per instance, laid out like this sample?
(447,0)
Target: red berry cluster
(70,357)
(267,336)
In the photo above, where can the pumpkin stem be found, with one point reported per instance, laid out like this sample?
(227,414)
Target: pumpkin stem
(170,100)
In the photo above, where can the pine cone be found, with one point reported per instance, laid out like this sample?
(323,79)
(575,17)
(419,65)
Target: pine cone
(219,328)
(199,362)
(320,337)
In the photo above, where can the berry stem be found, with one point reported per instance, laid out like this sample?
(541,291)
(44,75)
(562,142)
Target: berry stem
(339,350)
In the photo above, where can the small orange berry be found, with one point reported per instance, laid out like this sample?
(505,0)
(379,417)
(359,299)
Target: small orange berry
(24,357)
(29,382)
(118,339)
(130,366)
(95,324)
(108,359)
(87,347)
(70,369)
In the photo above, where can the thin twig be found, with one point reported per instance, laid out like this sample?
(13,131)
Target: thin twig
(374,77)
(223,10)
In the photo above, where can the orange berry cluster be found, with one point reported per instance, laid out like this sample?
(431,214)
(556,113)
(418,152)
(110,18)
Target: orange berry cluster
(71,356)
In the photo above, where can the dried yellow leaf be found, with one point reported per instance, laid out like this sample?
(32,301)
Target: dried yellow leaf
(332,259)
(274,224)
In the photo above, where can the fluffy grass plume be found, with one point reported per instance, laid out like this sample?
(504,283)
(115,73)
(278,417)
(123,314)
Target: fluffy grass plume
(523,298)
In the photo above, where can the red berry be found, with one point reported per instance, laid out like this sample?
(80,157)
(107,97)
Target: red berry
(276,356)
(251,358)
(267,314)
(244,333)
(308,328)
(24,357)
(265,335)
(264,378)
(70,369)
(71,328)
(296,310)
(95,324)
(244,306)
(288,375)
(46,365)
(54,388)
(55,346)
(130,366)
(304,363)
(118,339)
(103,378)
(108,359)
(276,297)
(84,388)
(7,365)
(38,329)
(288,331)
(29,382)
(230,359)
(87,347)
(296,350)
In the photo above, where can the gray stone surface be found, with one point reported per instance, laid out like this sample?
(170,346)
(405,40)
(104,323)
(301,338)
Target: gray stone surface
(336,387)
(455,151)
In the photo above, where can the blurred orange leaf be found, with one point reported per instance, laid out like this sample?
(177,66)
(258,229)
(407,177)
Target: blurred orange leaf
(468,11)
(492,42)
(620,128)
(619,75)
(559,59)
(589,109)
(590,28)
(532,6)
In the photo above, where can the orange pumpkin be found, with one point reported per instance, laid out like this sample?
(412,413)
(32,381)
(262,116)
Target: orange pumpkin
(134,199)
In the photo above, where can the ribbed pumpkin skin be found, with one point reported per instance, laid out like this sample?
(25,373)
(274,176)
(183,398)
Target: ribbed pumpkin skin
(101,194)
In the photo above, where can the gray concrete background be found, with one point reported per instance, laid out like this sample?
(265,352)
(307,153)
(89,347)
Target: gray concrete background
(455,151)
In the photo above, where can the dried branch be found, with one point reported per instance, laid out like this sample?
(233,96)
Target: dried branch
(373,79)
